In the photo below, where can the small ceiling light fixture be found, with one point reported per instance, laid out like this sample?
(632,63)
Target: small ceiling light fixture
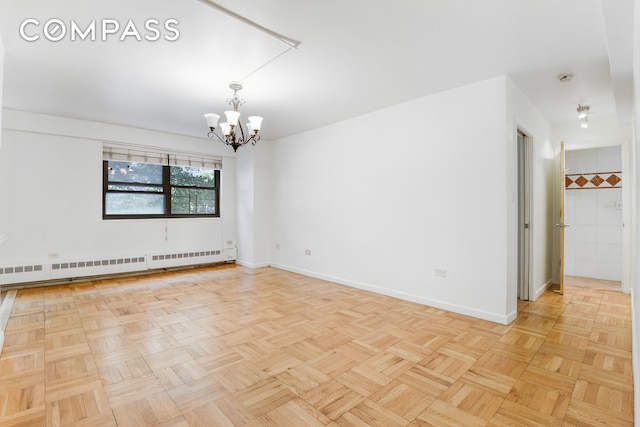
(232,131)
(584,123)
(583,115)
(565,78)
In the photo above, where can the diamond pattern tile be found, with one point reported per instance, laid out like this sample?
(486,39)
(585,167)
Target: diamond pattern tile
(582,181)
(593,180)
(613,179)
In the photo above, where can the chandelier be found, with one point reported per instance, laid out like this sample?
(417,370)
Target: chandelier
(232,132)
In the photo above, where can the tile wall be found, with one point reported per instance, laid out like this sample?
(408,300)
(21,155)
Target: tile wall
(593,241)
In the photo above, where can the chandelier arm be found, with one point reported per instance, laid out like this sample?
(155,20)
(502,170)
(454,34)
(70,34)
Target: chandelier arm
(242,137)
(210,135)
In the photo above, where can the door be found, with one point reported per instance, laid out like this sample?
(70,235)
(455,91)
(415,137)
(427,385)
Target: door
(561,225)
(524,215)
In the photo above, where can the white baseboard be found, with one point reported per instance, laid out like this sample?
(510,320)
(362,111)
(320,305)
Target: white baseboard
(467,311)
(5,312)
(253,265)
(542,290)
(635,362)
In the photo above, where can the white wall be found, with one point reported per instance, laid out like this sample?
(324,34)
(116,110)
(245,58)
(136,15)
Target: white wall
(594,240)
(245,206)
(384,200)
(1,86)
(263,207)
(2,232)
(51,192)
(523,115)
(254,205)
(634,217)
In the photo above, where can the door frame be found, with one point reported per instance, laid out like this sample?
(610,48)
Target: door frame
(628,191)
(561,225)
(525,191)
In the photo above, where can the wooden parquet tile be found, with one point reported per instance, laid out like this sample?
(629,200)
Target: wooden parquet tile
(402,400)
(230,346)
(333,398)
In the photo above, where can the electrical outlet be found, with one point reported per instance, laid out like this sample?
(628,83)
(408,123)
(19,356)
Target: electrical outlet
(441,273)
(54,255)
(307,252)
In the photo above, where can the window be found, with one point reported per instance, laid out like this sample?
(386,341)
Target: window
(148,190)
(193,190)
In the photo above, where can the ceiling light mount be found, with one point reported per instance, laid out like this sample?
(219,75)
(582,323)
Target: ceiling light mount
(565,77)
(235,86)
(583,111)
(232,132)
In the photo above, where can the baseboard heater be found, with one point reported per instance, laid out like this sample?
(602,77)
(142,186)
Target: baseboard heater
(82,268)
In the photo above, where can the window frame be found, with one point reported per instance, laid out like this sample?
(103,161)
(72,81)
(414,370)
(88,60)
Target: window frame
(166,192)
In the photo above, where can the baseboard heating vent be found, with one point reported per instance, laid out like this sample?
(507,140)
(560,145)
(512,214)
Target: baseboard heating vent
(184,258)
(97,266)
(184,255)
(23,273)
(96,263)
(21,269)
(70,269)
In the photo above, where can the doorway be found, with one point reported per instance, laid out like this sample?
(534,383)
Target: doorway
(524,214)
(593,250)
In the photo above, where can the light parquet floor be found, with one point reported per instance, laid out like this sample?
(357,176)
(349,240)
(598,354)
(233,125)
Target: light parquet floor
(229,346)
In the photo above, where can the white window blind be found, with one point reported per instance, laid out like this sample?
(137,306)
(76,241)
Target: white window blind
(143,154)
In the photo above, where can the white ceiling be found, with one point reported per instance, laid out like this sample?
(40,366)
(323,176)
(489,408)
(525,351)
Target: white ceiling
(355,56)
